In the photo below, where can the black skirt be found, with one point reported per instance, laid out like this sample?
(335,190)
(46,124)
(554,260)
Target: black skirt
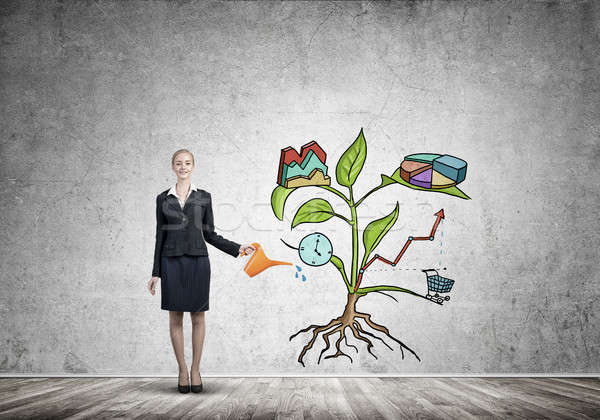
(185,283)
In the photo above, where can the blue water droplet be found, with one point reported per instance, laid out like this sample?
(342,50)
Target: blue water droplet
(303,277)
(296,275)
(440,252)
(298,268)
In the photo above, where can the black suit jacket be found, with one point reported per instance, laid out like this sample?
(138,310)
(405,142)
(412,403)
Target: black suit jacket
(186,231)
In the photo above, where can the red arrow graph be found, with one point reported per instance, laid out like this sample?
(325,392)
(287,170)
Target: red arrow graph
(439,216)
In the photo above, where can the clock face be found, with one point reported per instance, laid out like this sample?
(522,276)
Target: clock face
(315,249)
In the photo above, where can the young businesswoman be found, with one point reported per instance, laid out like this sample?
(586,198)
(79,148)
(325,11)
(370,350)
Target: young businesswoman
(184,223)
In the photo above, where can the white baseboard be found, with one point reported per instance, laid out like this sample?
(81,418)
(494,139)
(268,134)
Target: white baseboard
(370,375)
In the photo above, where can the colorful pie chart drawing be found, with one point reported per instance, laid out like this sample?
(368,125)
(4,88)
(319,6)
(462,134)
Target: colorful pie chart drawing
(433,171)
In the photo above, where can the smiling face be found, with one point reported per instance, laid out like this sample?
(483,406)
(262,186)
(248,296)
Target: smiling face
(183,165)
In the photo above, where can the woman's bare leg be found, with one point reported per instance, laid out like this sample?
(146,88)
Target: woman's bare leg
(198,333)
(176,330)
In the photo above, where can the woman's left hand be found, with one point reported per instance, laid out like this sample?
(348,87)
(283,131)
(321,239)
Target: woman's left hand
(247,249)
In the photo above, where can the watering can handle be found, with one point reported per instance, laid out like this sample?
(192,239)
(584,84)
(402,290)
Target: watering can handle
(256,245)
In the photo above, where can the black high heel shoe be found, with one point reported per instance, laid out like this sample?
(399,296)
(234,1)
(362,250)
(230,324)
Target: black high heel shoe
(196,388)
(184,389)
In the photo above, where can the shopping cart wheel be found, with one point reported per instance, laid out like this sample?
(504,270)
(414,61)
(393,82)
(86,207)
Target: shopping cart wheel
(440,300)
(447,298)
(436,295)
(428,296)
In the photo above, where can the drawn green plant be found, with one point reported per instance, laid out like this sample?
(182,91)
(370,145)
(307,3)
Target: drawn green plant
(318,210)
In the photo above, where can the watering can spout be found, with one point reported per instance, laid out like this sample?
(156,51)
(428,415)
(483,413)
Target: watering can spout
(259,262)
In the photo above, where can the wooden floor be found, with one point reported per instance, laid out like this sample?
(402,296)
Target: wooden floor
(297,398)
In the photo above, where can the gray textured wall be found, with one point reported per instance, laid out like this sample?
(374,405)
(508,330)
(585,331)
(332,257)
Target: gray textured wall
(97,95)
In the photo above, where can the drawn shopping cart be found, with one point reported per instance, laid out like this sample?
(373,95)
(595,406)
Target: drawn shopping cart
(437,284)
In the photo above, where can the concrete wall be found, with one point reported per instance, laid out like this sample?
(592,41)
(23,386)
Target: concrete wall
(96,96)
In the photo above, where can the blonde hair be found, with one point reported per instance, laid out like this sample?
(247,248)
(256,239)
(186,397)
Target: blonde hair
(179,152)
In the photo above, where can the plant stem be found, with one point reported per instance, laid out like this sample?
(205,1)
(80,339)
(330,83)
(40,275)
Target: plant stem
(336,192)
(343,218)
(354,239)
(351,222)
(369,193)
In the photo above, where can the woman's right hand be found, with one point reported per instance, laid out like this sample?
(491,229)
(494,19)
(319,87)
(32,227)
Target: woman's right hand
(152,284)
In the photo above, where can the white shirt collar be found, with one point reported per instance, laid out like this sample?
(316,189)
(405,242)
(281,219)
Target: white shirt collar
(173,190)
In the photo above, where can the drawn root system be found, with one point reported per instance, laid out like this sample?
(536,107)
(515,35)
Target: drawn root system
(348,320)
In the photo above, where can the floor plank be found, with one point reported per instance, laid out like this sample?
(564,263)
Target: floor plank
(404,398)
(217,406)
(562,390)
(591,383)
(474,391)
(267,406)
(360,405)
(302,398)
(316,407)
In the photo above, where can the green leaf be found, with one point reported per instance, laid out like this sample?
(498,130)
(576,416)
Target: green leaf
(454,190)
(386,180)
(351,162)
(365,290)
(313,211)
(376,230)
(278,197)
(335,260)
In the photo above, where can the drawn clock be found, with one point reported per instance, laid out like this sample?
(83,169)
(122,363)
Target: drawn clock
(315,249)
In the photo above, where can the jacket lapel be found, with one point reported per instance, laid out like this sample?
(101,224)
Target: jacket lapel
(173,202)
(191,197)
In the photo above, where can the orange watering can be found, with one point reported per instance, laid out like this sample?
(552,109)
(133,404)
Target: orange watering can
(259,262)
